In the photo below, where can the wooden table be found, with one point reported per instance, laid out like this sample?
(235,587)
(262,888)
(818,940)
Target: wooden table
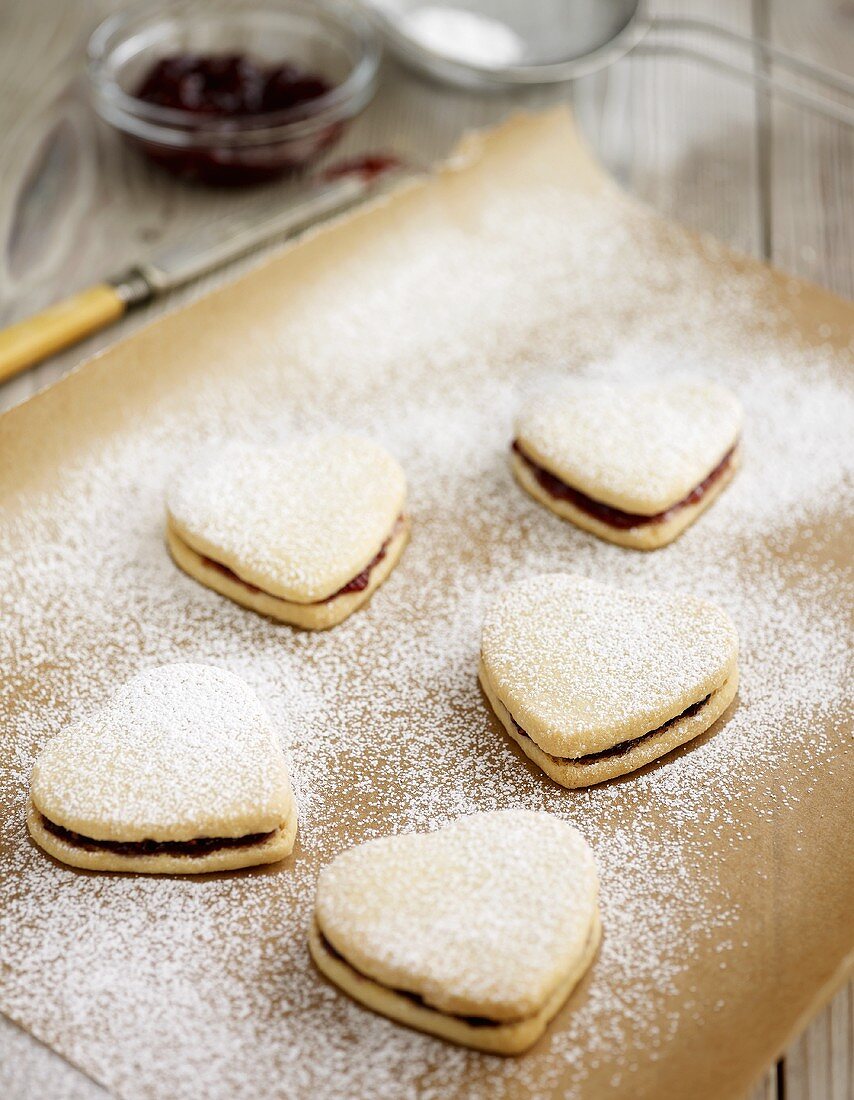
(769,179)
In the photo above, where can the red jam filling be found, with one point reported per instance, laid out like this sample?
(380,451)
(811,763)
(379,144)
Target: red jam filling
(358,584)
(416,998)
(199,847)
(615,517)
(623,747)
(227,85)
(223,91)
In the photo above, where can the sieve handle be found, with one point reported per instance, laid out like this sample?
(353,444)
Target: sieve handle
(829,82)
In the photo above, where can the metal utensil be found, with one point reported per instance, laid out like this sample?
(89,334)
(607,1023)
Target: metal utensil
(29,341)
(567,39)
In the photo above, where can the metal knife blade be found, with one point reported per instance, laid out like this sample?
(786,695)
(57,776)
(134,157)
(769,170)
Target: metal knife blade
(33,339)
(237,234)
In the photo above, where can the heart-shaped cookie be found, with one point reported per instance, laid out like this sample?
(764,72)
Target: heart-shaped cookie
(303,532)
(633,464)
(477,932)
(592,682)
(181,772)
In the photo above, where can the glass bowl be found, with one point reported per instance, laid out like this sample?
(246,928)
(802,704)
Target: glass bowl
(331,39)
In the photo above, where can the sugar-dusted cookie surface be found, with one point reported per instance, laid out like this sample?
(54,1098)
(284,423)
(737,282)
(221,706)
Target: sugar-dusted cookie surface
(633,464)
(298,521)
(180,772)
(476,932)
(582,668)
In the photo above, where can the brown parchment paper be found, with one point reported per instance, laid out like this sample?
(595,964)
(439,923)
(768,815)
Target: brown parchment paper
(727,883)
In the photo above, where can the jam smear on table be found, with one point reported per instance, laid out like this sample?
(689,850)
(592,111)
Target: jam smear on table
(369,167)
(224,91)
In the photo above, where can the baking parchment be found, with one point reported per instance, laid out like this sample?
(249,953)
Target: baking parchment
(424,320)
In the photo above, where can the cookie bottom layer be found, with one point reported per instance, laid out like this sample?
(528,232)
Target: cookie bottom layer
(650,536)
(277,845)
(308,616)
(494,1037)
(619,761)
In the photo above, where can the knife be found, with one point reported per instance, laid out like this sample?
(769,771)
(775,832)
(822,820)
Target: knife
(28,342)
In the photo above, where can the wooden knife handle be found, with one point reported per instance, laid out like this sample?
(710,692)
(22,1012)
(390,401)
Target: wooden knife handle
(28,342)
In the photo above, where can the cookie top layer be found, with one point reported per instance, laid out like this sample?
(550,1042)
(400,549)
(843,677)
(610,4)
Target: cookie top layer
(583,667)
(298,520)
(180,752)
(640,449)
(483,917)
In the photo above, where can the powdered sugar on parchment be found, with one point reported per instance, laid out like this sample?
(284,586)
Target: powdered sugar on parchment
(163,987)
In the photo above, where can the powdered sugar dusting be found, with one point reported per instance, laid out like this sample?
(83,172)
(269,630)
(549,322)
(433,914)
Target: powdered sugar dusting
(299,520)
(467,36)
(449,914)
(639,448)
(429,339)
(180,752)
(582,666)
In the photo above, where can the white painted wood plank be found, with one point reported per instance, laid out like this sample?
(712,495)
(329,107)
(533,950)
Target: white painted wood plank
(812,159)
(811,233)
(766,1089)
(819,1066)
(690,135)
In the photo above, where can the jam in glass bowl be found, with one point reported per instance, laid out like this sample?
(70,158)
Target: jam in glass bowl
(233,94)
